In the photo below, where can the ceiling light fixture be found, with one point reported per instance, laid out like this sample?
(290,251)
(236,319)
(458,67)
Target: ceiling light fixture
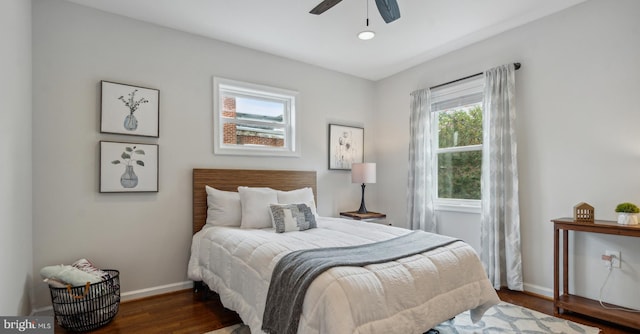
(367,34)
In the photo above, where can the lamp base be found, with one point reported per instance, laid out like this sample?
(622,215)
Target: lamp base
(363,208)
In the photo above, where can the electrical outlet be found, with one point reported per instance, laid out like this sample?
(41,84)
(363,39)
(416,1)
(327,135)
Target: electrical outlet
(615,258)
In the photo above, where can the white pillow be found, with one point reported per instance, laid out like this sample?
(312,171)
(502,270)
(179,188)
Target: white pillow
(303,195)
(223,207)
(255,206)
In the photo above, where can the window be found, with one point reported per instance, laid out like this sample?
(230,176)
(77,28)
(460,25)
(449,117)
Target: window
(253,119)
(457,143)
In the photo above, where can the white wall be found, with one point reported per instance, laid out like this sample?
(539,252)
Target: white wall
(147,236)
(15,154)
(578,137)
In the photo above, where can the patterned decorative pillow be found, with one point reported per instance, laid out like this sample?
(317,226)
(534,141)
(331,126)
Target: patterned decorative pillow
(292,217)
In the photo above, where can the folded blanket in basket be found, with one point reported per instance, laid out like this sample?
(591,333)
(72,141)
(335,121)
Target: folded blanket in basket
(68,274)
(79,273)
(88,267)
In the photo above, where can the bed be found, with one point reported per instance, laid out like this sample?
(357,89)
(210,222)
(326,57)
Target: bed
(408,295)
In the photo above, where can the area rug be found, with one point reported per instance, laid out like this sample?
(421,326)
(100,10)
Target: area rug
(502,318)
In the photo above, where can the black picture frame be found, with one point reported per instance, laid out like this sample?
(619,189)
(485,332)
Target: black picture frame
(128,167)
(346,146)
(129,110)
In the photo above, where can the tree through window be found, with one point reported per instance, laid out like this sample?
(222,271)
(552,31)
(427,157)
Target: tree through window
(458,139)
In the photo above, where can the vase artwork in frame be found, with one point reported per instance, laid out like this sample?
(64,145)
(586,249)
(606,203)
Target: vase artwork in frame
(128,167)
(346,146)
(130,110)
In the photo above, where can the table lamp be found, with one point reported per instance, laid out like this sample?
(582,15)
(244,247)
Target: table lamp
(363,173)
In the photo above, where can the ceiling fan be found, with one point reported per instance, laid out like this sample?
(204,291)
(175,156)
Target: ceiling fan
(388,8)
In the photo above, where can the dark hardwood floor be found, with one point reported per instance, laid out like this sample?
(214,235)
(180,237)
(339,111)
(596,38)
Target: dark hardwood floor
(186,312)
(182,312)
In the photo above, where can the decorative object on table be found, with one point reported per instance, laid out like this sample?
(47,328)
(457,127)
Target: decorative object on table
(584,213)
(128,167)
(363,173)
(130,110)
(346,146)
(627,213)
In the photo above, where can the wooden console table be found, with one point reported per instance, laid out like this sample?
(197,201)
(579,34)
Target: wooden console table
(579,304)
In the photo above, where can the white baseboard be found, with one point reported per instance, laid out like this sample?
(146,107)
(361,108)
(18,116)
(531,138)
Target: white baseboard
(130,295)
(539,290)
(156,290)
(46,311)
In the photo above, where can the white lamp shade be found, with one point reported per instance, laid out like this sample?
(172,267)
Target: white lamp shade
(363,172)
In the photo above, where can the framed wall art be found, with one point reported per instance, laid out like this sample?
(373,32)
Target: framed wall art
(129,110)
(128,167)
(346,146)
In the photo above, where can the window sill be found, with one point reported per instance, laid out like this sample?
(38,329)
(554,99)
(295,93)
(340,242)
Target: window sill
(455,207)
(267,152)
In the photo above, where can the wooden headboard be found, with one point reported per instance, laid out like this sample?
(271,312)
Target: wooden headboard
(230,179)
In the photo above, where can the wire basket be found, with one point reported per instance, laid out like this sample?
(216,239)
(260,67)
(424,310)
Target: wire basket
(85,308)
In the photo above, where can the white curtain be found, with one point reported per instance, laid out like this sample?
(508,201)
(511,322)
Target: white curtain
(500,220)
(421,215)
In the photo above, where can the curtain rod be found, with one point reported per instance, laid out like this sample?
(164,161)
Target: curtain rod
(516,65)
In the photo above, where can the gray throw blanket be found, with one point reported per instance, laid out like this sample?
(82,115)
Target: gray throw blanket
(295,271)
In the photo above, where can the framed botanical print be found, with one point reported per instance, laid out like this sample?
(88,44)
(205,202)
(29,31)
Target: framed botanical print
(128,167)
(346,146)
(129,110)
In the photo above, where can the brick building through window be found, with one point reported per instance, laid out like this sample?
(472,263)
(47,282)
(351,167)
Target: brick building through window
(248,134)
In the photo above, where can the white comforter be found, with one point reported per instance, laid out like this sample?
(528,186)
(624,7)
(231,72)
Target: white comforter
(409,295)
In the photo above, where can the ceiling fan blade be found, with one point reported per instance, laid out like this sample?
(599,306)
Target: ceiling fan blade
(324,6)
(388,9)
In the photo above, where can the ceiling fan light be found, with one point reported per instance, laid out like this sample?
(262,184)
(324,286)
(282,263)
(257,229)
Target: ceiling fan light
(366,35)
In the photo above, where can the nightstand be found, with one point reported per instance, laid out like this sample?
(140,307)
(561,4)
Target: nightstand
(370,217)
